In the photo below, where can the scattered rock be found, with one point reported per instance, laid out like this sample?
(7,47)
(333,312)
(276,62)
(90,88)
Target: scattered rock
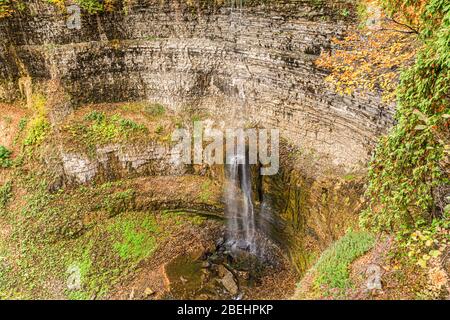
(220,242)
(222,271)
(229,283)
(148,292)
(244,275)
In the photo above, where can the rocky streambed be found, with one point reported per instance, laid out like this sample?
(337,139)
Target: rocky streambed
(223,273)
(200,265)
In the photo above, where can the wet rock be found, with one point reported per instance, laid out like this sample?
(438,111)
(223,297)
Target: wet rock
(220,241)
(215,258)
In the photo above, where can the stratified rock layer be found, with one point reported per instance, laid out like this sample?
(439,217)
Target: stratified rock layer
(254,64)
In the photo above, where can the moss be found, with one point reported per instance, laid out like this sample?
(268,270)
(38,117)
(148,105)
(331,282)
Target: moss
(332,268)
(5,194)
(39,126)
(118,202)
(155,110)
(136,240)
(92,229)
(206,193)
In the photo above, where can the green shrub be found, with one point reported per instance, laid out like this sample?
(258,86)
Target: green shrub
(39,127)
(96,116)
(6,8)
(159,129)
(426,242)
(345,12)
(91,6)
(104,129)
(5,157)
(127,124)
(22,124)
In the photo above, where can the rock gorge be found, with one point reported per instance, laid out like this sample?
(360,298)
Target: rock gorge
(88,113)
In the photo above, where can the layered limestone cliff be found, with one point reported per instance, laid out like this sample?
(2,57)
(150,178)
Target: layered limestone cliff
(253,63)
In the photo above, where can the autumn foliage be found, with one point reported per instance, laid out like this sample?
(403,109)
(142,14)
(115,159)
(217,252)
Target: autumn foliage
(369,58)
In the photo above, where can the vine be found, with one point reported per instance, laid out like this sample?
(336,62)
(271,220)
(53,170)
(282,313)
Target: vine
(410,167)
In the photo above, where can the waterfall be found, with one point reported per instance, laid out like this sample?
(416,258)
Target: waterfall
(239,211)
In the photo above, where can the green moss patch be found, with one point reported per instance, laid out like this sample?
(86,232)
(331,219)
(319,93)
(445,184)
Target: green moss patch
(332,268)
(135,239)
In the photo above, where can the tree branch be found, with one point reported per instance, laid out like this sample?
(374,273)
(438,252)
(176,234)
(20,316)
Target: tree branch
(405,25)
(401,31)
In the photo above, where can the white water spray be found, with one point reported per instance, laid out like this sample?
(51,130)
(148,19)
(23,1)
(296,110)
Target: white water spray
(239,206)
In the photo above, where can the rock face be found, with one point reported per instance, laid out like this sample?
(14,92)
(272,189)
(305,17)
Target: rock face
(254,64)
(119,161)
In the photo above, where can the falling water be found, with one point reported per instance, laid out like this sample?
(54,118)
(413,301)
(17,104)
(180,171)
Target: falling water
(239,206)
(240,211)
